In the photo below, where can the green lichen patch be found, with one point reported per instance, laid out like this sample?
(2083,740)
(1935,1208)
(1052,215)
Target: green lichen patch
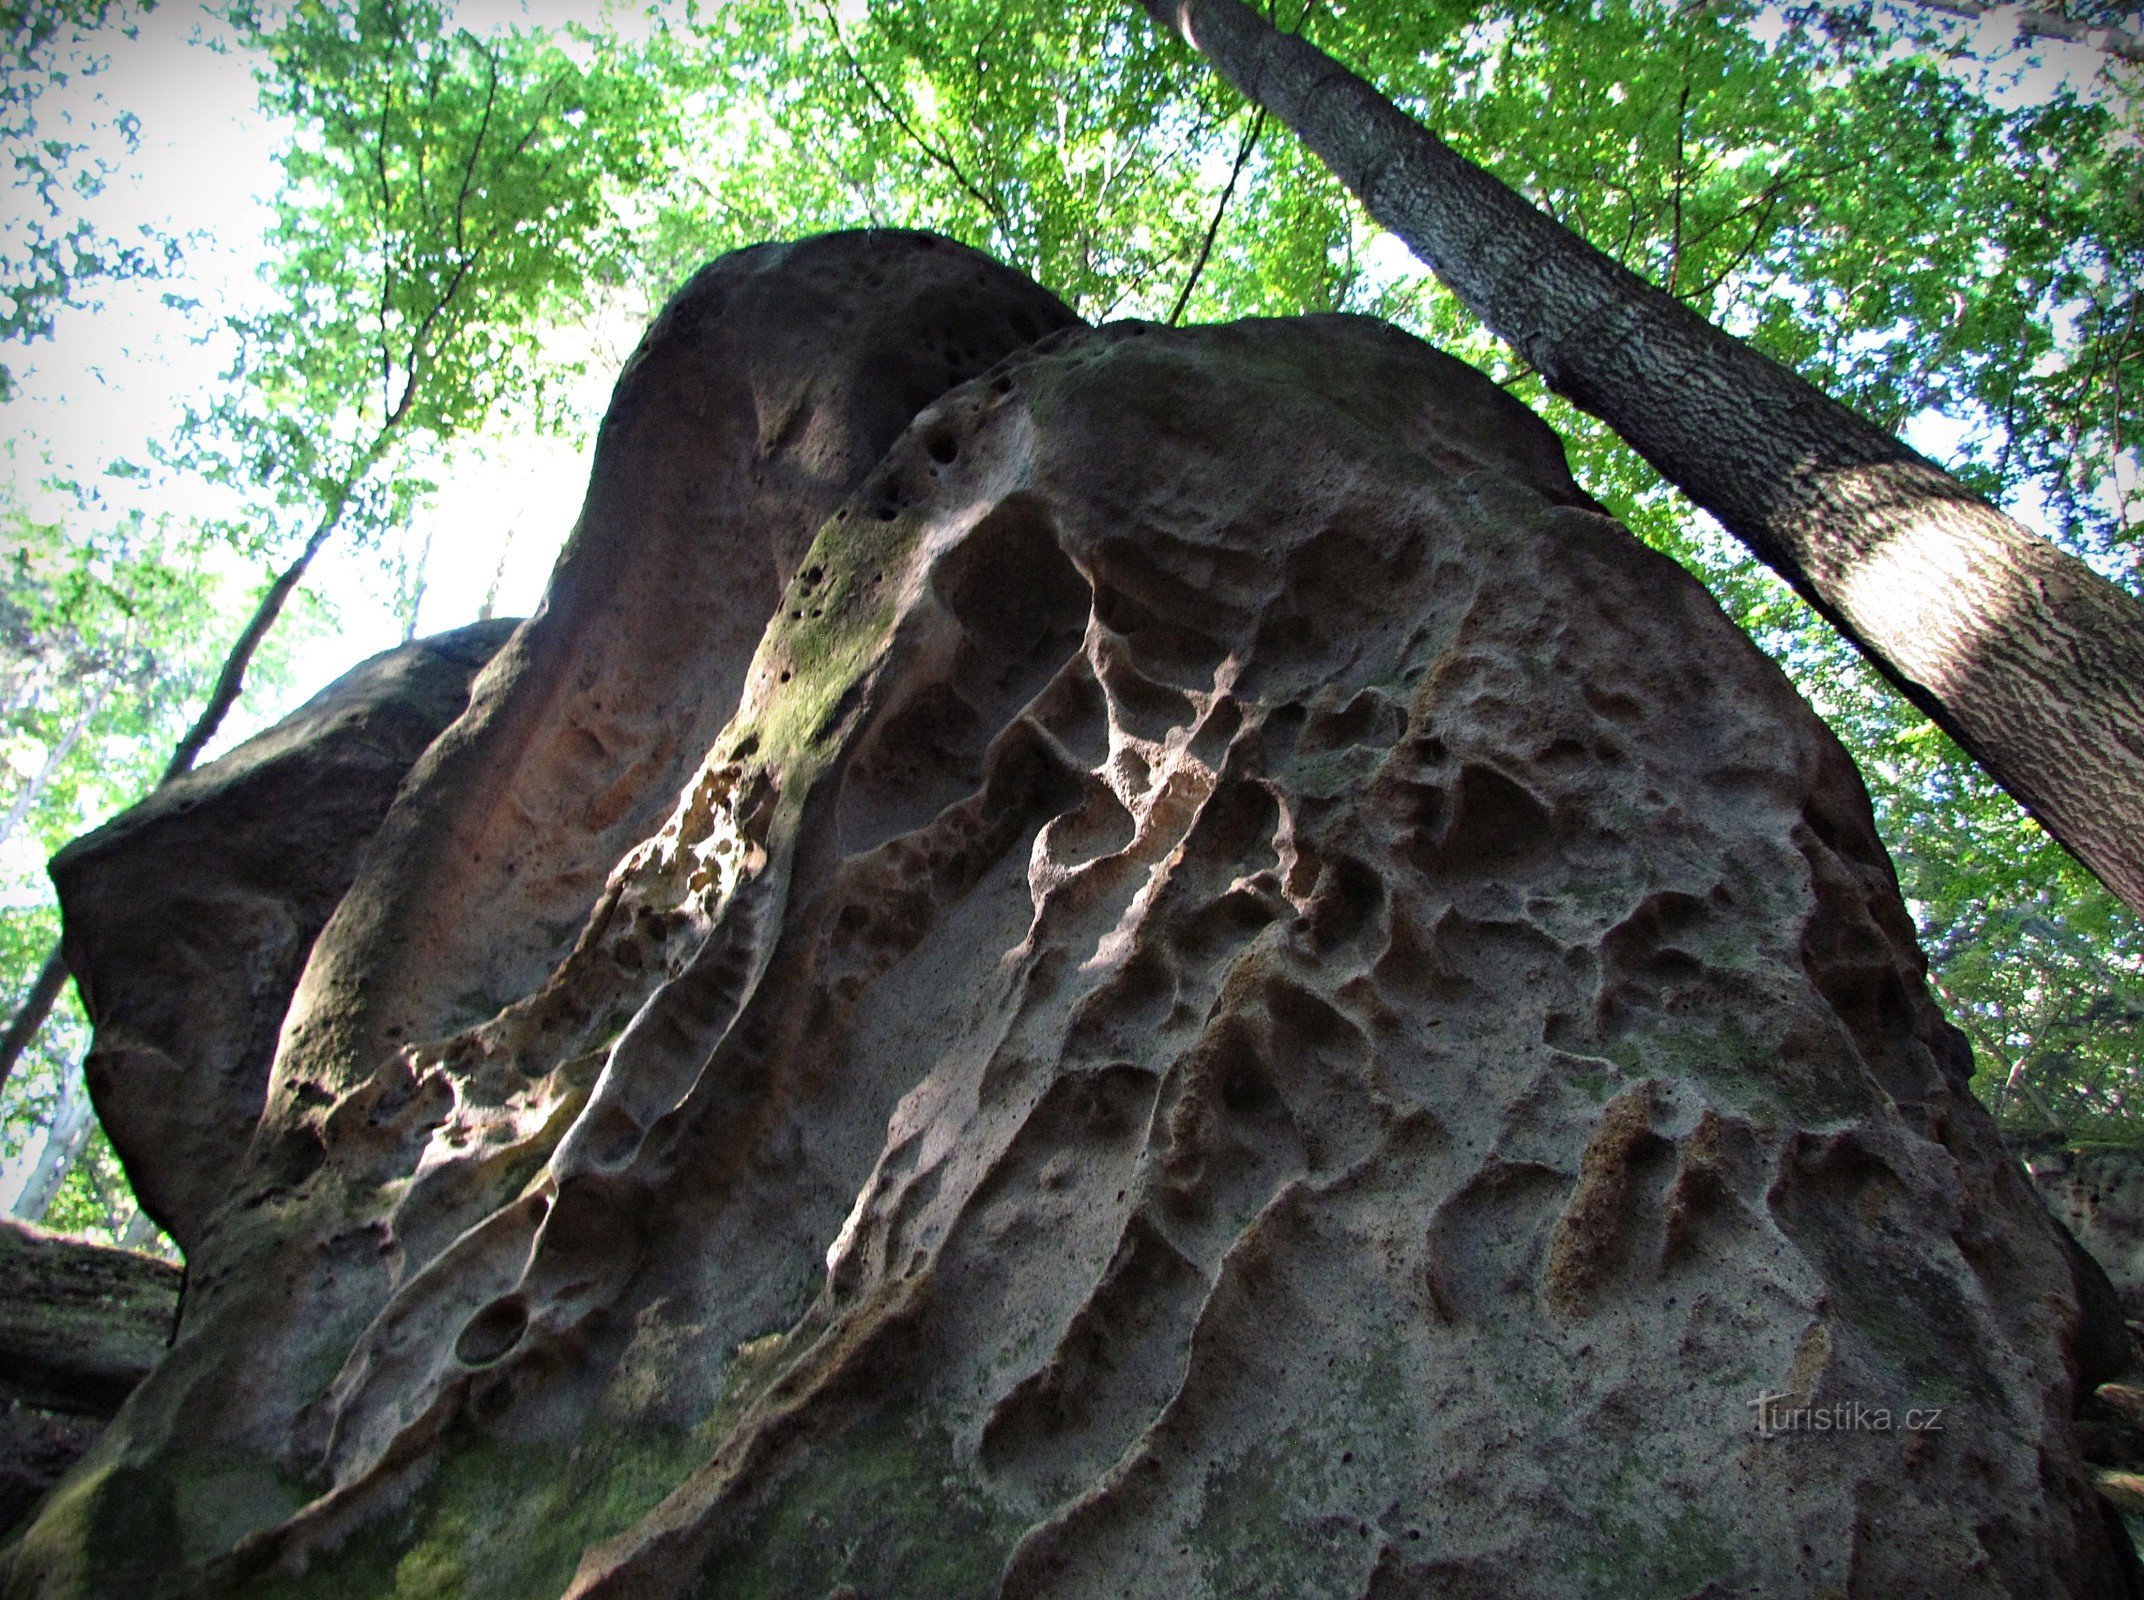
(881,1506)
(495,1520)
(1743,1071)
(832,621)
(1637,1558)
(1258,1529)
(113,1531)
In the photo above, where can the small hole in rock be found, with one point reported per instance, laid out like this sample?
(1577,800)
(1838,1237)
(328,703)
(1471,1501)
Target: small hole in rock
(492,1332)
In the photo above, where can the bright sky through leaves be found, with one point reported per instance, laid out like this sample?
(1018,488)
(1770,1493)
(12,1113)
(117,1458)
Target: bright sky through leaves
(114,378)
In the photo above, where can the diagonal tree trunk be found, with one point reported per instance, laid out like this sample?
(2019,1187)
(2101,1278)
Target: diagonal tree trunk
(2019,651)
(33,790)
(44,991)
(64,1142)
(2033,23)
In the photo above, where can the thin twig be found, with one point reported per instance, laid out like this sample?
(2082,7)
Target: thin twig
(1213,228)
(942,158)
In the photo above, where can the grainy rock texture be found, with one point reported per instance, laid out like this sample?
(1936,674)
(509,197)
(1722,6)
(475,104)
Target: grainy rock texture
(1252,1000)
(2099,1195)
(189,916)
(80,1326)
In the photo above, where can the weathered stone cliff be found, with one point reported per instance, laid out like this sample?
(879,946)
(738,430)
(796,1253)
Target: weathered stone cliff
(189,917)
(80,1326)
(2098,1194)
(1244,996)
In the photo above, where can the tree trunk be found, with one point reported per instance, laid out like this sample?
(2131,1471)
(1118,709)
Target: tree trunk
(230,680)
(80,1325)
(64,1141)
(31,792)
(36,1006)
(2035,24)
(2019,651)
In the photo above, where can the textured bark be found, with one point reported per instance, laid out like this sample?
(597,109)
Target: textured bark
(2019,651)
(1250,999)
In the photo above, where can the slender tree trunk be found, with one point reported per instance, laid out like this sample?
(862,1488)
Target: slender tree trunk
(45,992)
(64,1142)
(30,1016)
(498,578)
(232,678)
(2023,654)
(26,799)
(418,586)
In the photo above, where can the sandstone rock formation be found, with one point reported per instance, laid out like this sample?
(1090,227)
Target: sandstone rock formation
(189,916)
(80,1327)
(2099,1196)
(1245,996)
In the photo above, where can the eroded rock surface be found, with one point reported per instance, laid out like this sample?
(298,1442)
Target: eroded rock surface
(770,385)
(2099,1195)
(80,1327)
(1255,1000)
(189,916)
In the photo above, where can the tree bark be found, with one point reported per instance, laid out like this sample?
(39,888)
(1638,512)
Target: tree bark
(30,1016)
(2035,24)
(2019,651)
(64,1142)
(232,678)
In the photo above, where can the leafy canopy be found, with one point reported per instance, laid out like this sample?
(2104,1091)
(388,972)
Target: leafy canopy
(1953,246)
(449,199)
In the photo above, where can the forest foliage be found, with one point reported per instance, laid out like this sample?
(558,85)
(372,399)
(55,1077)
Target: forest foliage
(1932,222)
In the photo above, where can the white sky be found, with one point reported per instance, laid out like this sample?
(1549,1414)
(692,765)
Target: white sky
(116,377)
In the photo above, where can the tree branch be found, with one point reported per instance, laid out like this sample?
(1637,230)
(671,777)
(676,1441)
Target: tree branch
(940,157)
(2031,24)
(1213,228)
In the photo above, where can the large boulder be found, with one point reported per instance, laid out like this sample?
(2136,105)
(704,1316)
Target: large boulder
(1248,998)
(2098,1193)
(80,1326)
(189,916)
